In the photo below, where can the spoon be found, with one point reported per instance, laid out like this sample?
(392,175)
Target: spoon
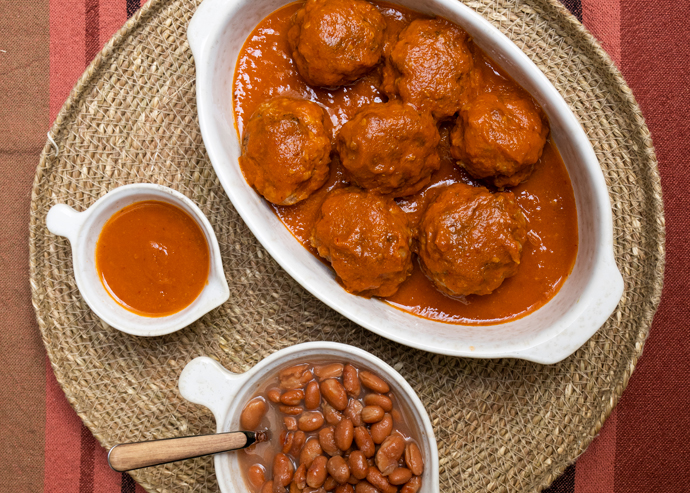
(130,456)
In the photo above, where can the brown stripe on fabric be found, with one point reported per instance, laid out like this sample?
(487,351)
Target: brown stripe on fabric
(92,29)
(653,421)
(132,6)
(88,449)
(24,112)
(565,483)
(575,7)
(128,484)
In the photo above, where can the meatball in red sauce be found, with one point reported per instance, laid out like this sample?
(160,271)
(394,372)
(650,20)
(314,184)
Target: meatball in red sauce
(286,150)
(335,42)
(366,238)
(390,149)
(470,240)
(429,67)
(500,136)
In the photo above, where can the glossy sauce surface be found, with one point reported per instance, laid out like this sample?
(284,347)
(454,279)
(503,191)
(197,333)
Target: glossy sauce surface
(152,258)
(265,70)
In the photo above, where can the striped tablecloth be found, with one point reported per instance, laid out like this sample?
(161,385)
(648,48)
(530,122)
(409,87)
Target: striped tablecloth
(44,47)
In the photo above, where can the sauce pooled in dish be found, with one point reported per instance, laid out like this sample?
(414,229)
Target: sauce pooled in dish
(152,258)
(415,109)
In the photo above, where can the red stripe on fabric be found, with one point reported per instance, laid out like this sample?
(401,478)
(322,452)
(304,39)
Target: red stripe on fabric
(62,440)
(653,429)
(139,489)
(596,467)
(105,480)
(67,20)
(88,448)
(92,40)
(113,14)
(603,19)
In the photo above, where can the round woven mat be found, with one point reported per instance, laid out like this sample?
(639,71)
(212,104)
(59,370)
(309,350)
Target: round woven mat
(502,425)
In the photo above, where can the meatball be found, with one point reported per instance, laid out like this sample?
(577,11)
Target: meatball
(335,42)
(286,150)
(430,65)
(367,239)
(390,149)
(500,136)
(470,240)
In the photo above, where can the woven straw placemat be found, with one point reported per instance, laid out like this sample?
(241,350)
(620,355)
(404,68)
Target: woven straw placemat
(502,425)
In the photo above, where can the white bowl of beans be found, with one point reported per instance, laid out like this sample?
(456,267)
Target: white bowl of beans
(340,419)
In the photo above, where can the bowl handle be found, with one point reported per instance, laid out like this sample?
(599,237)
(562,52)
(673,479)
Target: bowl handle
(205,381)
(62,220)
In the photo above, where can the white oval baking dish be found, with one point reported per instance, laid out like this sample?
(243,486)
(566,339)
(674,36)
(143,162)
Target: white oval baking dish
(589,296)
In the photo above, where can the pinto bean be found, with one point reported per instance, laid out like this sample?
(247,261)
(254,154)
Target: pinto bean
(338,469)
(274,395)
(372,382)
(380,400)
(332,416)
(372,414)
(400,475)
(333,391)
(413,459)
(344,434)
(256,475)
(327,441)
(310,421)
(334,370)
(292,397)
(358,464)
(412,486)
(381,430)
(300,477)
(389,453)
(375,477)
(354,412)
(291,378)
(286,440)
(351,381)
(291,410)
(297,443)
(316,475)
(282,470)
(312,397)
(365,487)
(364,441)
(253,413)
(311,450)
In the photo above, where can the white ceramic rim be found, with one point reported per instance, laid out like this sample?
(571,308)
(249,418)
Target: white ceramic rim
(78,228)
(585,312)
(206,382)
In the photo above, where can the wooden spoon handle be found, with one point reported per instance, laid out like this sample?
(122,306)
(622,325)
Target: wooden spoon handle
(128,456)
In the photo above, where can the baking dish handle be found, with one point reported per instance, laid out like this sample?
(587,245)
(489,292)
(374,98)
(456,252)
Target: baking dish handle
(204,25)
(205,381)
(608,284)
